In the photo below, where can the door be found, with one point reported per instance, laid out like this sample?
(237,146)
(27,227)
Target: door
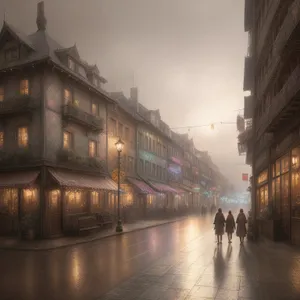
(55,212)
(285,206)
(8,211)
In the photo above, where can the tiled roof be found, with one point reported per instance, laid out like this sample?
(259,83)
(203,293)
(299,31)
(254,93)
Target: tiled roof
(78,180)
(44,47)
(18,179)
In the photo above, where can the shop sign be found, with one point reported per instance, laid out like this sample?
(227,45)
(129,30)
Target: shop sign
(245,177)
(174,169)
(176,161)
(153,158)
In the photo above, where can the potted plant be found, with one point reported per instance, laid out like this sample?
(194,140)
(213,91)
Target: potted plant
(28,227)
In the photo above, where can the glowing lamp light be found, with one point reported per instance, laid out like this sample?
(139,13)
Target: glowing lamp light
(119,145)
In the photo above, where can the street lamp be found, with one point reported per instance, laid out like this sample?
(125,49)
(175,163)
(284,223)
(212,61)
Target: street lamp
(119,146)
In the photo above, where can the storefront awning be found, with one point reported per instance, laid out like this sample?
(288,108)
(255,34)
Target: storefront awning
(186,189)
(142,186)
(75,180)
(18,179)
(163,188)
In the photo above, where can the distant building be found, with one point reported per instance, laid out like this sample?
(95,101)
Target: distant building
(271,137)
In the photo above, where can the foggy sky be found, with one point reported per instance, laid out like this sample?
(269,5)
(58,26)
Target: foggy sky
(185,56)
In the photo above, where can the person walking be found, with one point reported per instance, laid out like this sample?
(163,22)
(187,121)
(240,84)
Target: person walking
(241,230)
(219,223)
(230,226)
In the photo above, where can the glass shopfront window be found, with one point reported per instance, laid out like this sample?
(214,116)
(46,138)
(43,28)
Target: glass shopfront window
(295,183)
(9,201)
(262,191)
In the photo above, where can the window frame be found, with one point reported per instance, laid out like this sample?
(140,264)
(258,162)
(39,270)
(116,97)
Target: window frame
(93,142)
(25,91)
(20,146)
(10,50)
(2,93)
(70,134)
(2,137)
(96,112)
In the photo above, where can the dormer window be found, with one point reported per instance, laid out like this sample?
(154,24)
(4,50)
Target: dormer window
(81,71)
(12,54)
(71,64)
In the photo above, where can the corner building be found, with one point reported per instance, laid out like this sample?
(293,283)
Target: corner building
(52,134)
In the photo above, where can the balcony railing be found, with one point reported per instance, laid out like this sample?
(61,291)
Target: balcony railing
(289,24)
(74,113)
(16,105)
(280,101)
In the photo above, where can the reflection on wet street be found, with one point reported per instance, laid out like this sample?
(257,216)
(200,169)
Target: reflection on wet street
(175,261)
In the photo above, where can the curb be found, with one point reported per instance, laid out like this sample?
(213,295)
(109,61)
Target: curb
(88,241)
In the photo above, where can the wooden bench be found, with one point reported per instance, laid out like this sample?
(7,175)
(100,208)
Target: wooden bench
(104,220)
(87,224)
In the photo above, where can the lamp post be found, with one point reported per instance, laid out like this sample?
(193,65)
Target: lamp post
(119,146)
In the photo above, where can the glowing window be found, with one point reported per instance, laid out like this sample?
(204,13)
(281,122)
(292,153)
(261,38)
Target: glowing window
(92,148)
(23,137)
(1,93)
(24,87)
(95,198)
(71,64)
(95,109)
(67,96)
(67,140)
(1,139)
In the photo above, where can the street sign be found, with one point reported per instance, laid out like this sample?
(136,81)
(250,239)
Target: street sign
(114,175)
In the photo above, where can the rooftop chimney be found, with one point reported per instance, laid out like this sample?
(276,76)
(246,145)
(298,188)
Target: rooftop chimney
(41,21)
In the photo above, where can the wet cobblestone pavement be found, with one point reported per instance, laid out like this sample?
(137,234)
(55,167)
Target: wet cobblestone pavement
(170,262)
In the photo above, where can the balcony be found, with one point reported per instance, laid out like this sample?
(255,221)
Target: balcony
(73,113)
(289,24)
(248,20)
(16,105)
(283,104)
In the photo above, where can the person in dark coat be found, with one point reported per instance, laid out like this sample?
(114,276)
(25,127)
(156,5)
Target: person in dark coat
(241,230)
(219,223)
(230,226)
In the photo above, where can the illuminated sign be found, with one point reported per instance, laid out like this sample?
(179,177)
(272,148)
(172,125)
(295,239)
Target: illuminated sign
(176,160)
(152,158)
(174,168)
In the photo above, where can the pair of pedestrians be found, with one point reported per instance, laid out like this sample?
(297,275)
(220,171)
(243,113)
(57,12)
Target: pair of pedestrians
(230,222)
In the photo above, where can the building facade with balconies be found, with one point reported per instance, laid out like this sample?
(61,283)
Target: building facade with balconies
(273,80)
(53,115)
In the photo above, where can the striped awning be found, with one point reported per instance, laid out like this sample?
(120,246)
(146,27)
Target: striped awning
(18,179)
(76,180)
(163,188)
(141,186)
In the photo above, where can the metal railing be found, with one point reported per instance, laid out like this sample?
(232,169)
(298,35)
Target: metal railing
(74,112)
(15,104)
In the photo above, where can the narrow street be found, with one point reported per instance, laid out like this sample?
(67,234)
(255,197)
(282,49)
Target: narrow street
(175,261)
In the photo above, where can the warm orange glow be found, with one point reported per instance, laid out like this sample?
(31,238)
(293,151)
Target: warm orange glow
(1,139)
(53,197)
(23,137)
(92,148)
(24,87)
(67,96)
(67,140)
(1,93)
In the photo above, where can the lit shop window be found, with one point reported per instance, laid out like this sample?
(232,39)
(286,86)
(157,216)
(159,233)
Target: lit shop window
(95,198)
(24,87)
(53,198)
(1,139)
(67,140)
(1,93)
(30,196)
(92,148)
(23,137)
